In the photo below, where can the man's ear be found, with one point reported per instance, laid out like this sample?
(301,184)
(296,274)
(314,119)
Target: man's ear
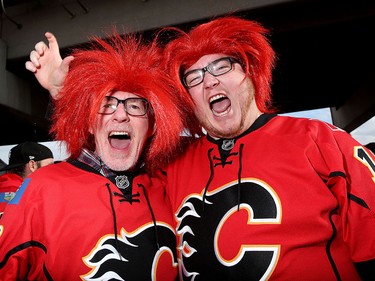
(32,166)
(152,131)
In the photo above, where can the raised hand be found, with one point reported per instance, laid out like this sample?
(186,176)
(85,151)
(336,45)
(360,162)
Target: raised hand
(49,68)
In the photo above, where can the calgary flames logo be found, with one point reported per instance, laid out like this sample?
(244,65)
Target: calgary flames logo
(111,260)
(219,230)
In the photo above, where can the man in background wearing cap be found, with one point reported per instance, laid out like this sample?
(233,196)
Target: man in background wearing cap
(24,159)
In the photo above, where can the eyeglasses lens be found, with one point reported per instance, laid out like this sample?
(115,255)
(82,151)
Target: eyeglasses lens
(133,106)
(216,68)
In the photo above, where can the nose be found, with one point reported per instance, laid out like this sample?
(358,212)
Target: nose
(120,114)
(209,80)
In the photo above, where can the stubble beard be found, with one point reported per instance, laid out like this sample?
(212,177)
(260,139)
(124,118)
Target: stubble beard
(233,131)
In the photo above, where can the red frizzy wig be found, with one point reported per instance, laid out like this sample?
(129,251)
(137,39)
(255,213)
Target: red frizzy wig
(242,39)
(120,64)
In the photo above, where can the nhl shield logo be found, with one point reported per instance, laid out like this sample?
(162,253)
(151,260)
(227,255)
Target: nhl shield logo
(227,145)
(122,182)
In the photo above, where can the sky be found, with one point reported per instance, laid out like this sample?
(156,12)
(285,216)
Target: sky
(364,134)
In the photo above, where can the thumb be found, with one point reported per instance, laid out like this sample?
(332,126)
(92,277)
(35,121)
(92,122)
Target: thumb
(66,63)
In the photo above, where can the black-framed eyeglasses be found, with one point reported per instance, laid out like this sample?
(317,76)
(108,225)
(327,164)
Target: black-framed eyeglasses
(133,106)
(216,68)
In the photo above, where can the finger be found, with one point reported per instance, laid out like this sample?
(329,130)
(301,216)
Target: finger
(40,47)
(30,66)
(34,58)
(52,42)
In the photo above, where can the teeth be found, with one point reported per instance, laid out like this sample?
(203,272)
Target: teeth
(118,134)
(216,97)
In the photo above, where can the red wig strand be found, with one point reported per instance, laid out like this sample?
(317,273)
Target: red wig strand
(117,65)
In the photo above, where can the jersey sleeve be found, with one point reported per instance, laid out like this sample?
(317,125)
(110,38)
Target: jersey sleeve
(19,246)
(348,168)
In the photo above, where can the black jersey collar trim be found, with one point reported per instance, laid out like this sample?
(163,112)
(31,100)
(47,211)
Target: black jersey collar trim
(259,122)
(88,164)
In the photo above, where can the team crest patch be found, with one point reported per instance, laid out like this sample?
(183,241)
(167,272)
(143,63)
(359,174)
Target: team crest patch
(9,196)
(21,190)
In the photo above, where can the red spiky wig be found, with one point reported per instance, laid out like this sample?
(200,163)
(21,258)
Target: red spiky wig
(119,64)
(242,39)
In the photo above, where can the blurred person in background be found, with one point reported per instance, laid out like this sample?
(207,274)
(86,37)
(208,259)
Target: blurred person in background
(24,159)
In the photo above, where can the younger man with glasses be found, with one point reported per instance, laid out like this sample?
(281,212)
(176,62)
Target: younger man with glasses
(103,214)
(263,197)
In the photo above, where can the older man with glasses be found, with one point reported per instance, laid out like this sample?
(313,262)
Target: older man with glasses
(102,214)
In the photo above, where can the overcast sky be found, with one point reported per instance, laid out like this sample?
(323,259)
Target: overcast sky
(364,134)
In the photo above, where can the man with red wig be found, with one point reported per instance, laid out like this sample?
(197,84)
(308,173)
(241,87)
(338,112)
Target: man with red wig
(102,214)
(261,196)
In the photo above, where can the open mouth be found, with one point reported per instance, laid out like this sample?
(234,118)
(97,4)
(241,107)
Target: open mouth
(119,139)
(219,105)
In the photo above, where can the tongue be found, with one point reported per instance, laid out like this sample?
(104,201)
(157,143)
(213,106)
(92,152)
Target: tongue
(119,144)
(220,105)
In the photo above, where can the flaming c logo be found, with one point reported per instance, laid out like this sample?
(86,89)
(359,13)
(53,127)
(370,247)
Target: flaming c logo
(215,241)
(109,261)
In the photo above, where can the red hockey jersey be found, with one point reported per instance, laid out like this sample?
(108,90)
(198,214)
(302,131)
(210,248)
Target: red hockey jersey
(66,223)
(290,199)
